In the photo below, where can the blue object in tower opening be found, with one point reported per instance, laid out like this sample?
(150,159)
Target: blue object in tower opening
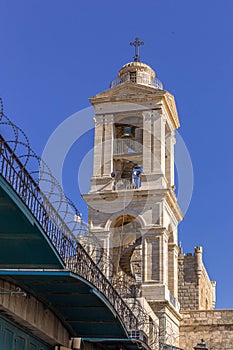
(136,176)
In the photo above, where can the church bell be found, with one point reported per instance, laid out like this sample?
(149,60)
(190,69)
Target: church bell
(127,132)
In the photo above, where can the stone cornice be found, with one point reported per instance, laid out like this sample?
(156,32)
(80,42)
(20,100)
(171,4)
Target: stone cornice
(126,92)
(171,107)
(172,201)
(169,306)
(136,93)
(204,312)
(165,194)
(135,193)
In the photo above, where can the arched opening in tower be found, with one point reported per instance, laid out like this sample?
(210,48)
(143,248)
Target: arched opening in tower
(126,252)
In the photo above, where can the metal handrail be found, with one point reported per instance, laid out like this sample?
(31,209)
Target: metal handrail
(71,251)
(126,146)
(156,83)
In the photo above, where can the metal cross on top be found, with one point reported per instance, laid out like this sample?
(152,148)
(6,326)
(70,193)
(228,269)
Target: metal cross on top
(137,43)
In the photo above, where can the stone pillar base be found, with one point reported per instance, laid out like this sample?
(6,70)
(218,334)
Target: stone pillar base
(156,292)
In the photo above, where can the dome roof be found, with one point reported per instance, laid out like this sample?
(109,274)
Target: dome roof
(136,67)
(137,73)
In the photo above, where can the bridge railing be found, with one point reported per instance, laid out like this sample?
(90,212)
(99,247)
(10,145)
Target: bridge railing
(71,251)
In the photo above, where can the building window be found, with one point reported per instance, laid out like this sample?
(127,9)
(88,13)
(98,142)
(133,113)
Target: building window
(133,77)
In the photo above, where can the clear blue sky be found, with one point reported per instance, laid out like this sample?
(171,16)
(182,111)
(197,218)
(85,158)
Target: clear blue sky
(56,54)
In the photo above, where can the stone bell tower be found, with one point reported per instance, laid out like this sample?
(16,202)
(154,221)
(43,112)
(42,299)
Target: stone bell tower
(133,209)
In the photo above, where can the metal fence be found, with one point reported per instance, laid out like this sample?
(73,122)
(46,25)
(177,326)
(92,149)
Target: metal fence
(125,146)
(156,83)
(71,251)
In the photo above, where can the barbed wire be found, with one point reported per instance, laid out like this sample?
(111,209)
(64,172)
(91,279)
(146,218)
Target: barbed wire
(126,286)
(17,139)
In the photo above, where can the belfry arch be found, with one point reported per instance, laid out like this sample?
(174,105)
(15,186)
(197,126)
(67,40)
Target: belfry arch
(125,250)
(125,237)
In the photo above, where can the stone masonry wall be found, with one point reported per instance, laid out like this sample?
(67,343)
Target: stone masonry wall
(195,290)
(187,282)
(206,292)
(214,326)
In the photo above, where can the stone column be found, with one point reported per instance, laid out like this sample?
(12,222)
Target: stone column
(155,257)
(199,265)
(169,166)
(104,241)
(198,255)
(173,252)
(147,143)
(108,145)
(164,257)
(158,143)
(213,283)
(98,144)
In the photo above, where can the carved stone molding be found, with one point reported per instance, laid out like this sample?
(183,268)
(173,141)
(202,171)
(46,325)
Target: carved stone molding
(108,119)
(99,120)
(146,116)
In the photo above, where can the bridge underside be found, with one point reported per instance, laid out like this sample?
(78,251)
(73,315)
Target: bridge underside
(23,243)
(81,308)
(29,260)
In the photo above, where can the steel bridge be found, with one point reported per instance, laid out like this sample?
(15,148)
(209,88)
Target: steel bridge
(39,254)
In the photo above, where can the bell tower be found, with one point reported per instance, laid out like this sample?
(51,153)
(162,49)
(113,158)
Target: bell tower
(132,205)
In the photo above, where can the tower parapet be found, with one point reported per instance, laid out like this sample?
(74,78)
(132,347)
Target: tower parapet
(139,73)
(196,291)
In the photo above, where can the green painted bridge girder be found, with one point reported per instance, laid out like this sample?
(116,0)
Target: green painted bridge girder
(29,259)
(82,308)
(23,243)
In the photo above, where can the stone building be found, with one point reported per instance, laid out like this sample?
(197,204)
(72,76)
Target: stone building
(136,217)
(196,291)
(52,294)
(124,283)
